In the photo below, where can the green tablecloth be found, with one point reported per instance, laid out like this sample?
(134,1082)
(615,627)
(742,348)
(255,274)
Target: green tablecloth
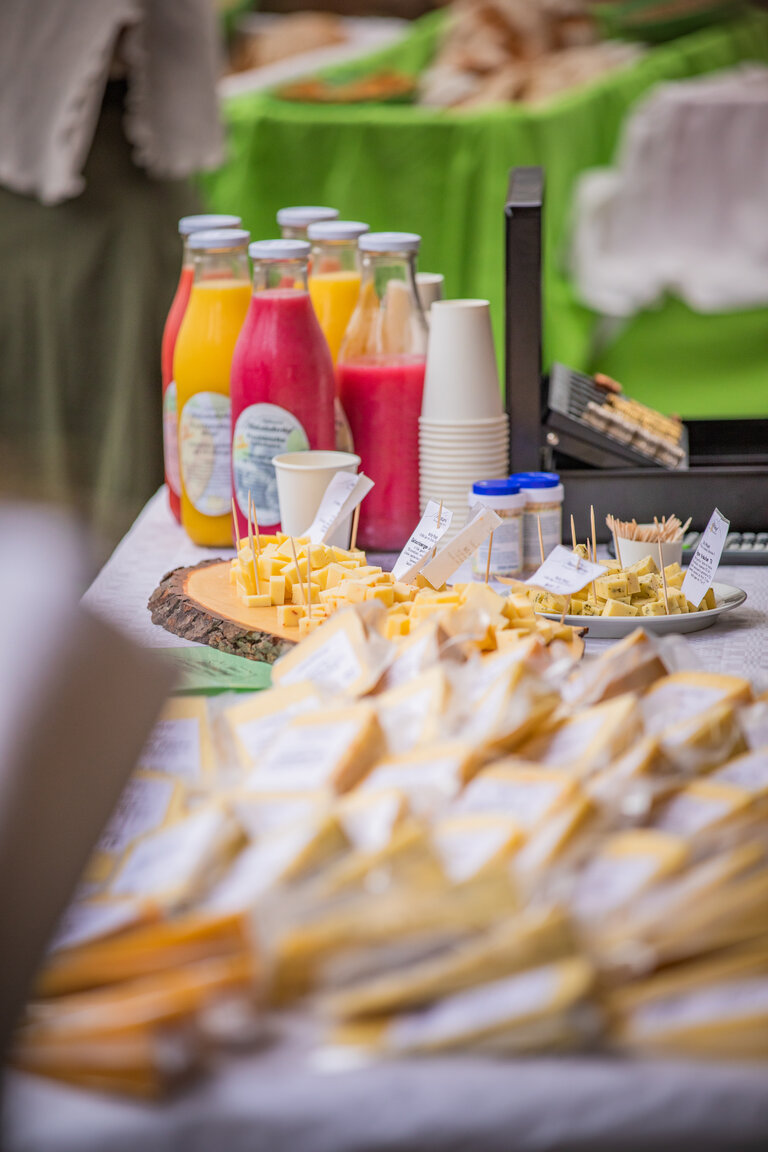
(444,175)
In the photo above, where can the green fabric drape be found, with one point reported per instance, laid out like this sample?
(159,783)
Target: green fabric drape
(444,174)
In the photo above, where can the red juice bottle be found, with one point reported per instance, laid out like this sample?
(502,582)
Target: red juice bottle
(282,385)
(381,380)
(187,225)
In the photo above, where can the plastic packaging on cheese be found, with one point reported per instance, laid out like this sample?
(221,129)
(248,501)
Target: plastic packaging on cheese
(700,807)
(631,665)
(278,858)
(178,863)
(87,921)
(749,772)
(257,721)
(340,657)
(413,713)
(180,744)
(417,653)
(704,740)
(429,777)
(148,803)
(626,785)
(513,707)
(522,791)
(332,749)
(590,740)
(754,723)
(626,864)
(262,813)
(726,1020)
(682,695)
(528,939)
(369,819)
(478,1013)
(468,846)
(553,837)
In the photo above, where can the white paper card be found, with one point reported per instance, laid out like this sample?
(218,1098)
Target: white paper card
(426,536)
(704,562)
(343,494)
(565,572)
(470,538)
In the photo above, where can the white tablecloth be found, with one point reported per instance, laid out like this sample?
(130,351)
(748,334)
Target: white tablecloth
(280,1100)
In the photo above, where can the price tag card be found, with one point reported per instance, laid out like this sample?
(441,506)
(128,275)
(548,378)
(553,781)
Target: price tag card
(565,572)
(467,541)
(426,536)
(704,562)
(342,496)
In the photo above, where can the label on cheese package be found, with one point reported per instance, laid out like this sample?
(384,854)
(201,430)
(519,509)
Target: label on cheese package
(591,739)
(180,743)
(428,777)
(627,864)
(683,695)
(463,545)
(146,804)
(90,920)
(336,658)
(526,793)
(467,845)
(700,806)
(332,749)
(413,712)
(257,722)
(426,536)
(749,772)
(564,572)
(737,1000)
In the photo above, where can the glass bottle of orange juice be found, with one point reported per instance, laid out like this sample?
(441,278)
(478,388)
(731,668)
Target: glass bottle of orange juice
(334,283)
(221,293)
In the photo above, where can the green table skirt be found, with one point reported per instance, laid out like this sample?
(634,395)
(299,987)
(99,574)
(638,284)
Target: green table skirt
(444,174)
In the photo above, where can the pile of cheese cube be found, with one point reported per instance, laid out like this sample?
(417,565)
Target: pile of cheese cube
(330,578)
(634,591)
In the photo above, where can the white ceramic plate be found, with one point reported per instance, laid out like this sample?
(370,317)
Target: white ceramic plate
(614,627)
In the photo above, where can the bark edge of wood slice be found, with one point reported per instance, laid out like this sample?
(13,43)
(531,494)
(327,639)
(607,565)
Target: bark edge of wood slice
(175,608)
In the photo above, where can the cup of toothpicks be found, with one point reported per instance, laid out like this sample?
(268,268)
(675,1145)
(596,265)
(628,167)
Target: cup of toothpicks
(633,541)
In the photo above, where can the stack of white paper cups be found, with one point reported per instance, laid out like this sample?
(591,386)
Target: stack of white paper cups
(463,430)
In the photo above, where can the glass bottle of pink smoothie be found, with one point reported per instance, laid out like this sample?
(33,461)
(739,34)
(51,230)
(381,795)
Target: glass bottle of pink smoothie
(381,379)
(282,386)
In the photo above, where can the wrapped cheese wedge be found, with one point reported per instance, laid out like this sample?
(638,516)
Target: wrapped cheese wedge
(517,789)
(589,741)
(181,743)
(414,713)
(469,847)
(369,819)
(254,723)
(149,802)
(342,656)
(429,777)
(631,665)
(625,865)
(683,695)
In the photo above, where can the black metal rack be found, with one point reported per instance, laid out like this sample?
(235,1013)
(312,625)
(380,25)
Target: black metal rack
(728,458)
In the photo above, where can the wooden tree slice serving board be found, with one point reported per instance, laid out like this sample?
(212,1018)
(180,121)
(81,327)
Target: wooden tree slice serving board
(200,604)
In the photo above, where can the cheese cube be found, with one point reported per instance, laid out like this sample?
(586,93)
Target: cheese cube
(299,593)
(277,589)
(288,615)
(611,587)
(386,595)
(260,600)
(654,608)
(617,608)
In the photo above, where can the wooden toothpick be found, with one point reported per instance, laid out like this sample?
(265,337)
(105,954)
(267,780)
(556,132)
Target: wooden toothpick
(355,522)
(252,515)
(573,532)
(661,565)
(541,538)
(296,562)
(234,524)
(616,547)
(253,557)
(488,561)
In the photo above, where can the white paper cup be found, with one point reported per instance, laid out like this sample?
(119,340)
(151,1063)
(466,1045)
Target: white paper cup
(430,287)
(302,478)
(634,550)
(462,379)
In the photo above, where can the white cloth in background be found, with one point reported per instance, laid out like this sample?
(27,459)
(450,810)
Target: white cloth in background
(685,210)
(55,59)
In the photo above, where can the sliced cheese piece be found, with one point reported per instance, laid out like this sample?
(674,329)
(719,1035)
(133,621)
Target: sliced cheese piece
(590,740)
(413,713)
(522,791)
(704,740)
(256,722)
(332,749)
(513,707)
(336,658)
(685,694)
(470,846)
(625,865)
(630,665)
(429,776)
(479,1013)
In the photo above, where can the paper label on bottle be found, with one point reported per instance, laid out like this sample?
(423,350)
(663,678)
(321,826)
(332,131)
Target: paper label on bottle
(204,437)
(439,570)
(174,747)
(261,432)
(345,491)
(551,533)
(704,562)
(506,551)
(142,808)
(426,536)
(171,438)
(565,572)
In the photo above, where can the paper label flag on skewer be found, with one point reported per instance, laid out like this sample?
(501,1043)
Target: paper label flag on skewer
(467,541)
(704,562)
(565,572)
(425,536)
(342,496)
